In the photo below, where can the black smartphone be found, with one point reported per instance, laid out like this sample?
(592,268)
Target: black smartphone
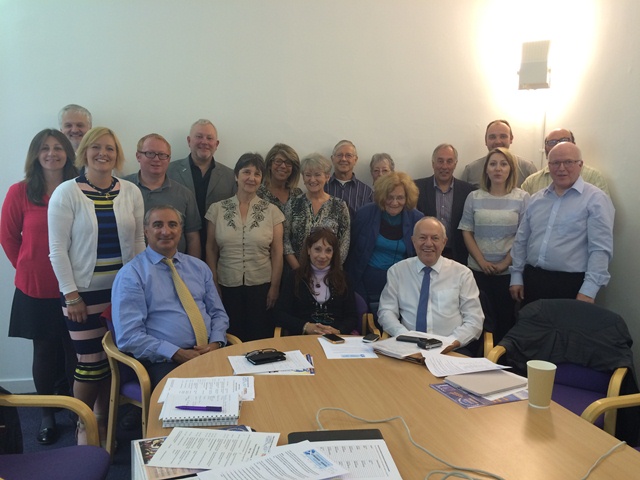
(370,338)
(333,338)
(408,338)
(424,343)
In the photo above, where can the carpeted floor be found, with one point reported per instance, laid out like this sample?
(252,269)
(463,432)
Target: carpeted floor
(121,467)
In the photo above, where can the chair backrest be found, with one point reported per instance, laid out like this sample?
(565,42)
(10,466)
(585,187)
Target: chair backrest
(127,375)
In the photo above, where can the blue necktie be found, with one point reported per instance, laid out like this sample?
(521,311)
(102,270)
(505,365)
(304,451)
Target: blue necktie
(421,316)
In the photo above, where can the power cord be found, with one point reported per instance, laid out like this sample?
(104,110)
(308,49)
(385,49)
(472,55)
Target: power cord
(458,471)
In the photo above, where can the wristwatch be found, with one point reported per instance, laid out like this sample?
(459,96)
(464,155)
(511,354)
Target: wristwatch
(221,344)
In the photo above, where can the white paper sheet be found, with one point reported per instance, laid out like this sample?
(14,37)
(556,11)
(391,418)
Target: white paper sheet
(302,461)
(368,459)
(295,361)
(353,347)
(206,448)
(445,365)
(210,386)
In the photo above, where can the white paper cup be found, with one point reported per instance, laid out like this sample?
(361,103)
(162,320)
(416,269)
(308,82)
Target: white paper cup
(540,375)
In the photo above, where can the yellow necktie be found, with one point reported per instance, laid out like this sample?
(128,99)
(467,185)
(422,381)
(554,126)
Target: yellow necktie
(189,305)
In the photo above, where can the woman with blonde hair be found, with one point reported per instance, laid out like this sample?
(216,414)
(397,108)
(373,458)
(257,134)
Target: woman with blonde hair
(489,224)
(95,226)
(381,234)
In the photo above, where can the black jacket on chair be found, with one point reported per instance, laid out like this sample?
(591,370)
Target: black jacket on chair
(571,331)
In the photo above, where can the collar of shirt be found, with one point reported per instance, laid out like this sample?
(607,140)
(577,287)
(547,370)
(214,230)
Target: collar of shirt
(342,182)
(578,186)
(435,184)
(155,257)
(418,265)
(165,184)
(193,165)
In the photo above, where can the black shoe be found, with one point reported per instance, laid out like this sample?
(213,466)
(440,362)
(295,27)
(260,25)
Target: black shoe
(47,436)
(132,419)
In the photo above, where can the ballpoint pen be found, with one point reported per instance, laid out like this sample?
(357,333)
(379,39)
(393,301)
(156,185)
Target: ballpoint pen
(204,408)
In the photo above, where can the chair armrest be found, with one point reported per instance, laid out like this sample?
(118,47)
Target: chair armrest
(371,326)
(58,401)
(277,332)
(233,340)
(611,416)
(495,353)
(597,408)
(112,351)
(488,343)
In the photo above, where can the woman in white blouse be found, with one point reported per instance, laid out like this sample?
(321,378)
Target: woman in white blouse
(244,252)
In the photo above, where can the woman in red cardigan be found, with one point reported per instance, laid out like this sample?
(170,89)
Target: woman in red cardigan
(36,313)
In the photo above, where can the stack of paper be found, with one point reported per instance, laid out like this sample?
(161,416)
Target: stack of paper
(295,361)
(180,410)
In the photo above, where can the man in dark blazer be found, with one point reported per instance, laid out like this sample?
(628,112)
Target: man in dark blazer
(443,196)
(209,180)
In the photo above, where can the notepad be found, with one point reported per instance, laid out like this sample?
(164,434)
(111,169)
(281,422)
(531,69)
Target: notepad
(486,383)
(174,417)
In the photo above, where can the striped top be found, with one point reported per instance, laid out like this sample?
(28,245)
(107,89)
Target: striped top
(494,222)
(109,258)
(354,192)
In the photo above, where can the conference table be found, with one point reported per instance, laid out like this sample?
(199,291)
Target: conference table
(512,440)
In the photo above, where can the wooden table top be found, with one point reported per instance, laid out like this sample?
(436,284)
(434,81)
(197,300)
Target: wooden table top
(511,440)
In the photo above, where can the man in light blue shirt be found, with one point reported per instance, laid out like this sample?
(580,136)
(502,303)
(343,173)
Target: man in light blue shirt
(565,242)
(148,317)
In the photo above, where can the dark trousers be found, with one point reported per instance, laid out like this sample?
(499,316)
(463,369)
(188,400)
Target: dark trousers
(500,313)
(540,283)
(247,310)
(157,371)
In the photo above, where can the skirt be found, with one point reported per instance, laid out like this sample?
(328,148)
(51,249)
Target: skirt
(35,318)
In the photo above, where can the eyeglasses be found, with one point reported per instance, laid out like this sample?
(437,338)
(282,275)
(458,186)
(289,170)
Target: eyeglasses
(346,156)
(565,163)
(279,162)
(151,155)
(553,143)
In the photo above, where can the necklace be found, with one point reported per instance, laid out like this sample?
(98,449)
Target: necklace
(104,191)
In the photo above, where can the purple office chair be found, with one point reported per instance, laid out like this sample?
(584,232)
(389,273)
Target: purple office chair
(591,347)
(80,462)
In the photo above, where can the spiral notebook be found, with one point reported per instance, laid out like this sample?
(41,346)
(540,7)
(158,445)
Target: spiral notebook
(172,416)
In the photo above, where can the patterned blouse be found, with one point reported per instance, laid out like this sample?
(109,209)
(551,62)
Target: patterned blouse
(300,219)
(244,249)
(263,192)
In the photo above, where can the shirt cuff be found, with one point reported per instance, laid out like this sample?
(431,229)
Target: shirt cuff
(589,289)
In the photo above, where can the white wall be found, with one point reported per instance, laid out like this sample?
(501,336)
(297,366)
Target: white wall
(397,76)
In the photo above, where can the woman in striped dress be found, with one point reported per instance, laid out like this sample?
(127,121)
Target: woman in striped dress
(95,226)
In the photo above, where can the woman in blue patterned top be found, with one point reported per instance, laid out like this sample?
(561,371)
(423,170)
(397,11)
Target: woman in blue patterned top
(316,208)
(95,226)
(489,225)
(244,252)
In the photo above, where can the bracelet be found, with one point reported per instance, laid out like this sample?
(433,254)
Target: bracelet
(304,328)
(75,301)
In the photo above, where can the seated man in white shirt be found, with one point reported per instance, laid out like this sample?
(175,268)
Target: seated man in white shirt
(453,305)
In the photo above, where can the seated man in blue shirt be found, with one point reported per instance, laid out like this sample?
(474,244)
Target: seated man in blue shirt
(565,241)
(149,318)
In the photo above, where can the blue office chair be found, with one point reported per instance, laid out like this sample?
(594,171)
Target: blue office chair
(591,347)
(80,462)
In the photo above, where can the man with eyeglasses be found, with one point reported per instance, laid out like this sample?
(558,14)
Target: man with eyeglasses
(565,240)
(443,196)
(210,181)
(343,183)
(497,134)
(542,178)
(153,154)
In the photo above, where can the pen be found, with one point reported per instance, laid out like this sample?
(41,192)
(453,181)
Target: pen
(205,408)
